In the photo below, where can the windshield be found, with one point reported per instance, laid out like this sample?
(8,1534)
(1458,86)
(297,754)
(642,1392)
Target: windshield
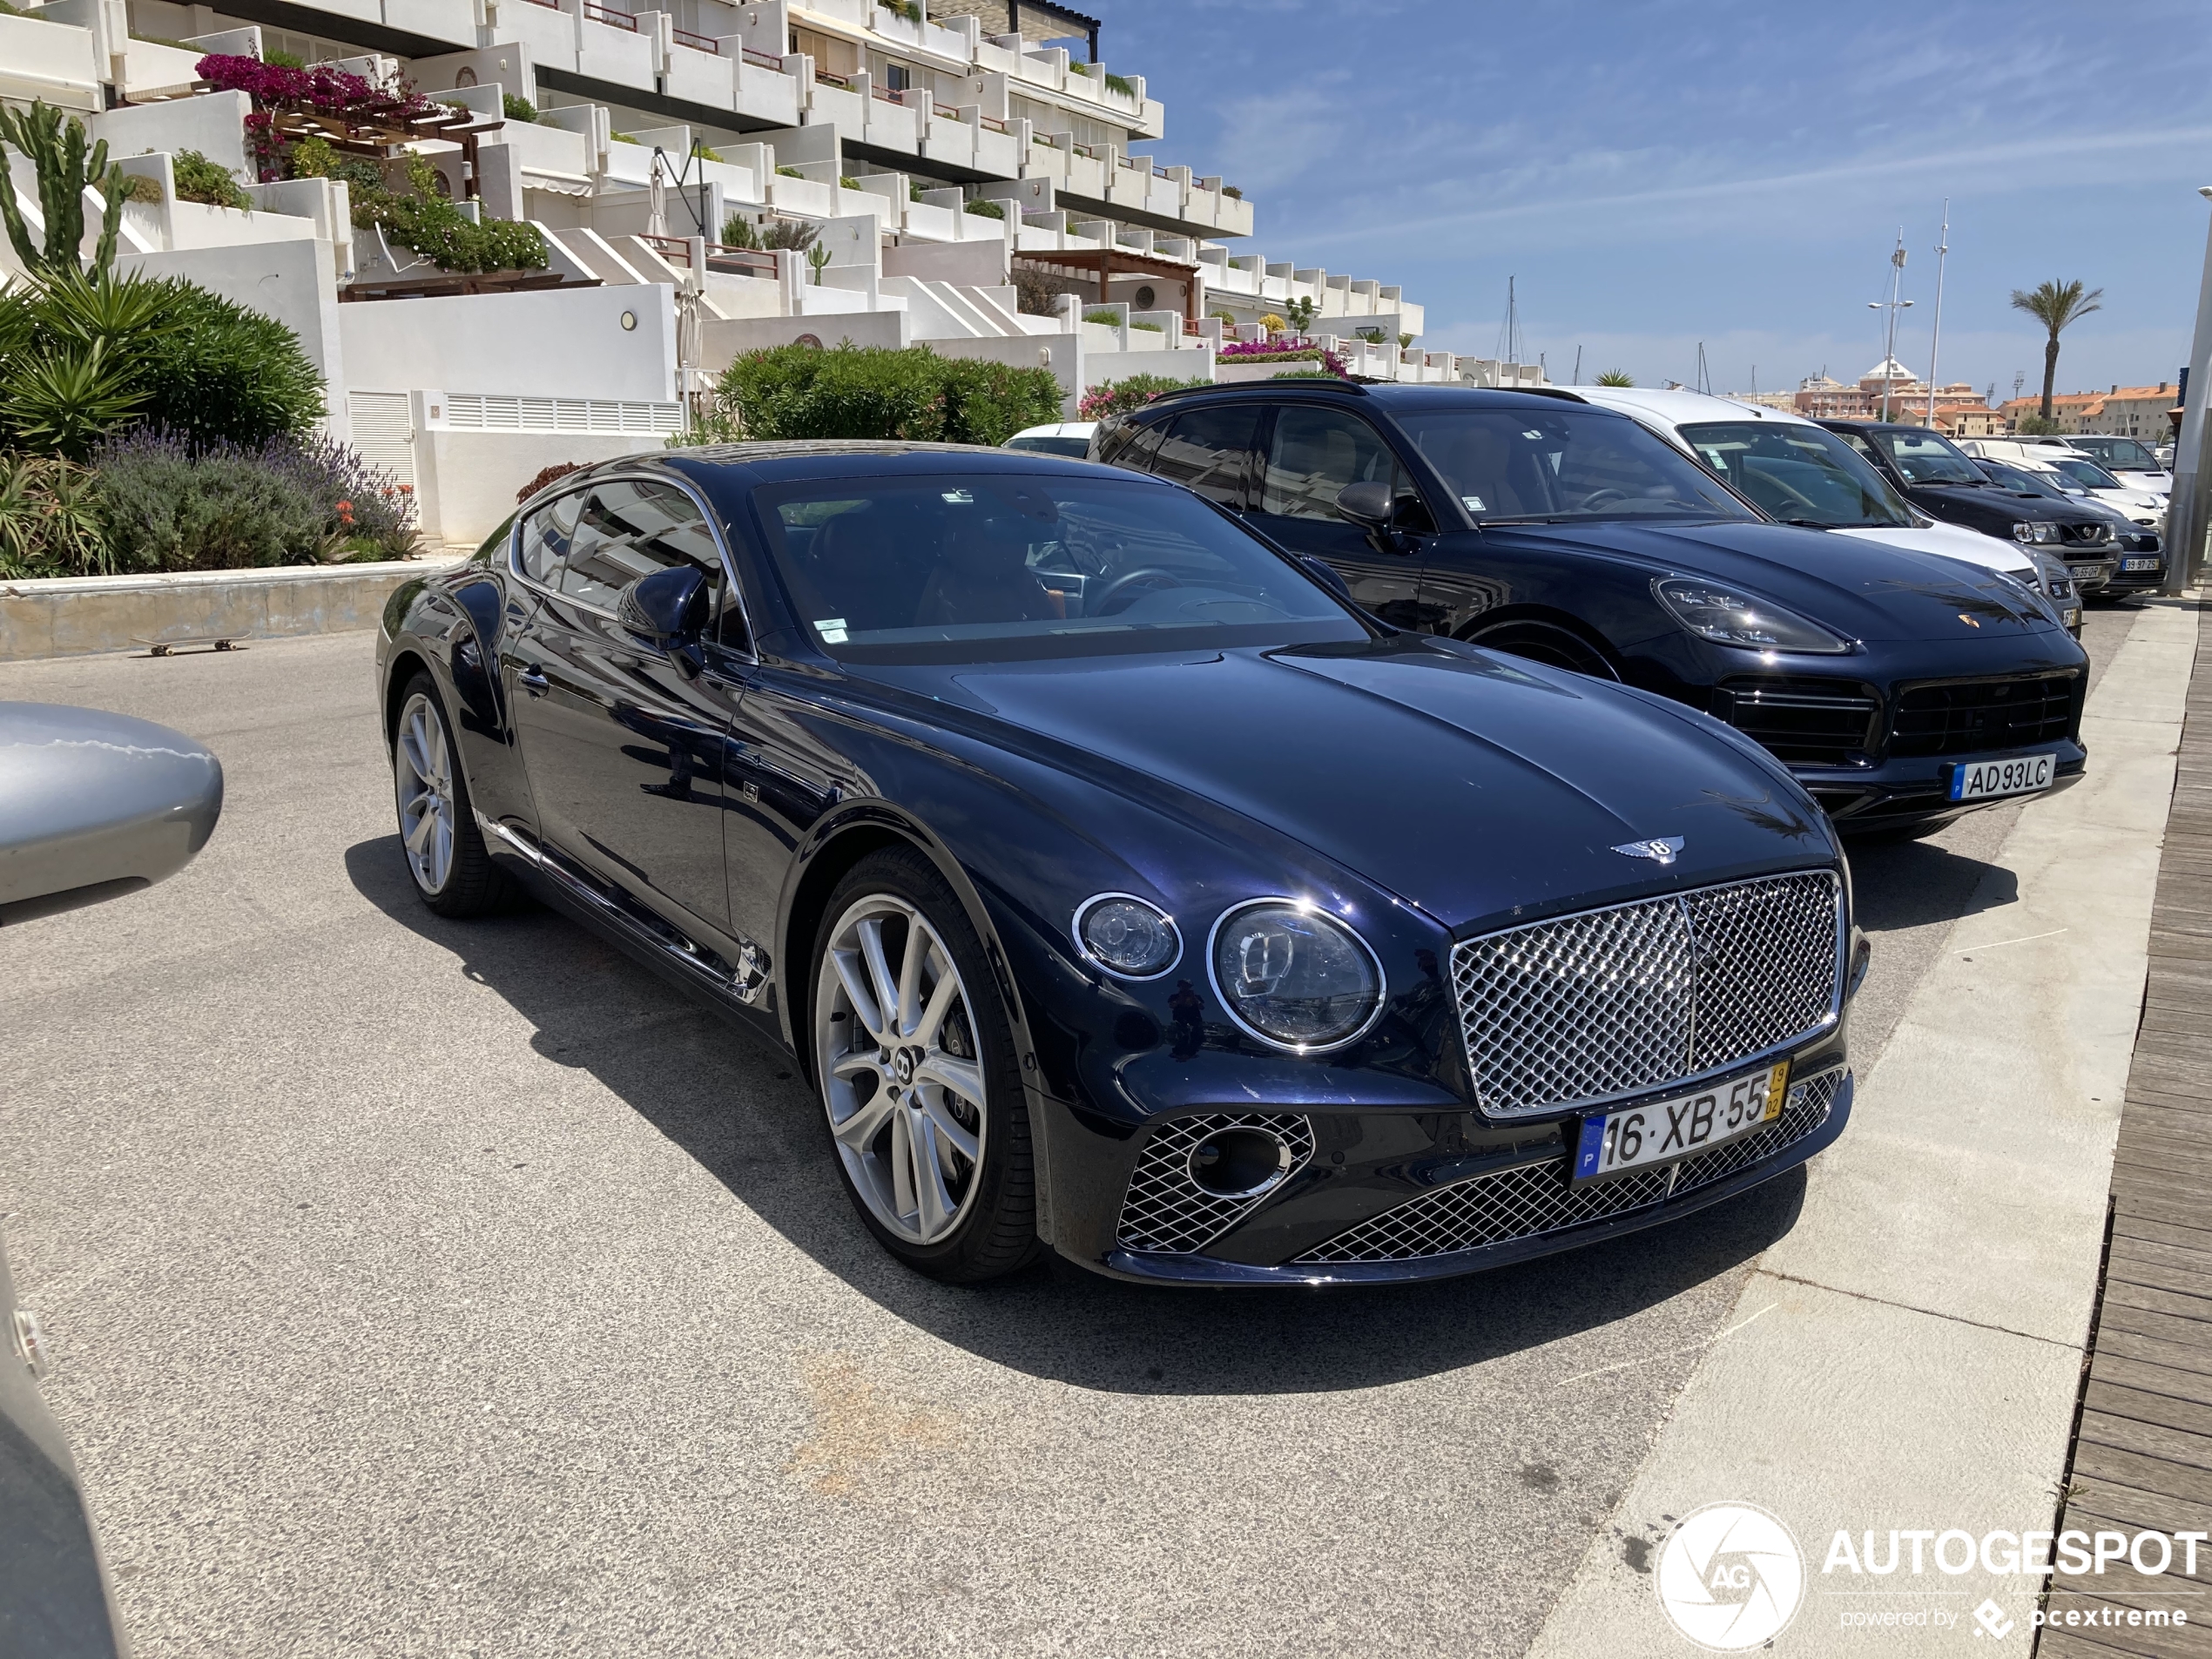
(2021,482)
(992,567)
(1054,444)
(1802,475)
(2088,473)
(1926,458)
(2124,453)
(1530,466)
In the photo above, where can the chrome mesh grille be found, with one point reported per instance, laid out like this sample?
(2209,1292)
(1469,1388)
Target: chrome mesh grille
(1611,1002)
(1166,1210)
(1532,1199)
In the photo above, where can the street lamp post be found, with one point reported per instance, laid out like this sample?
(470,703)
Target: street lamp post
(2185,517)
(1935,340)
(1893,306)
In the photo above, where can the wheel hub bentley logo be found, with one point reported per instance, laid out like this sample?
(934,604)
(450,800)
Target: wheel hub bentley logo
(1660,848)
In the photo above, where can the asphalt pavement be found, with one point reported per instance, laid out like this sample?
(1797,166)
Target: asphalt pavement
(422,1287)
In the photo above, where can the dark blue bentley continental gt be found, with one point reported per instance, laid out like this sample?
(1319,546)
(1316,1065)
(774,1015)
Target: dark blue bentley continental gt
(1119,886)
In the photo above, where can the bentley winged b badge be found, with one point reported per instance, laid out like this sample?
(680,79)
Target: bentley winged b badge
(1659,847)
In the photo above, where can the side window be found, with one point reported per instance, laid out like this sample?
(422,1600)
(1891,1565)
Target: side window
(1133,446)
(1315,453)
(1210,450)
(629,530)
(545,538)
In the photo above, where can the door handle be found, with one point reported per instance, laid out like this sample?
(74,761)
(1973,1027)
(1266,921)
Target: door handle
(532,679)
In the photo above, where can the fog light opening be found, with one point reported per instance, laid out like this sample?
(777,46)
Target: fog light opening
(1240,1163)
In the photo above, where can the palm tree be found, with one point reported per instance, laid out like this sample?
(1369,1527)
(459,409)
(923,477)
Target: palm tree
(2054,305)
(1615,377)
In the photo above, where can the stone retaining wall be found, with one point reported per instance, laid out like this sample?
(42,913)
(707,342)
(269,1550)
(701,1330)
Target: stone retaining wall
(79,616)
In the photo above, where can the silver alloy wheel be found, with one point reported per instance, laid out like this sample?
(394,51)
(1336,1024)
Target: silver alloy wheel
(895,1041)
(422,774)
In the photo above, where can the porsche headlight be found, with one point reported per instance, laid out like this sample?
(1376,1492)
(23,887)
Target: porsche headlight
(1128,936)
(1729,618)
(1294,976)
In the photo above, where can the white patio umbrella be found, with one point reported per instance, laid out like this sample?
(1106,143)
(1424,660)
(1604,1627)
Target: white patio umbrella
(656,201)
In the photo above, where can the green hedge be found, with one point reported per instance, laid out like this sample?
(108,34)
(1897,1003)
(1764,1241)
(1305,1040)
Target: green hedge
(869,392)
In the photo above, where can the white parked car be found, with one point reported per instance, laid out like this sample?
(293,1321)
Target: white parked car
(2073,472)
(1059,438)
(2129,460)
(1801,473)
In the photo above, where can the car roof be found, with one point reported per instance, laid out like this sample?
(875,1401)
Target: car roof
(1385,393)
(1678,406)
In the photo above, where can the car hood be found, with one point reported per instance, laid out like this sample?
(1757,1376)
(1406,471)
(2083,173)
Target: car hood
(1470,786)
(1863,589)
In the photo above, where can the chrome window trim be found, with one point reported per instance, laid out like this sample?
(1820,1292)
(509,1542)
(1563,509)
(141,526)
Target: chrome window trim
(751,654)
(1305,1050)
(1076,932)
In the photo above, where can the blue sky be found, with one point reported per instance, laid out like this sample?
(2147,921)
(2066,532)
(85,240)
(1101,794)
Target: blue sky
(1656,174)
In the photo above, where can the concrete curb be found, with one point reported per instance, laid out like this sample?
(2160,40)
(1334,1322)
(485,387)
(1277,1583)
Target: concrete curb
(80,616)
(1908,1355)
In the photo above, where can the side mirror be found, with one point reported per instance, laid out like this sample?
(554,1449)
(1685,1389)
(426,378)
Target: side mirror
(94,806)
(665,608)
(1369,506)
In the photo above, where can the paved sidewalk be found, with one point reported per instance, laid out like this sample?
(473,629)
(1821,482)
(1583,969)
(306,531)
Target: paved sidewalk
(1908,1356)
(2142,1449)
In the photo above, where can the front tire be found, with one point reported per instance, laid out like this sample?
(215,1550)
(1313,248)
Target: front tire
(443,849)
(916,1061)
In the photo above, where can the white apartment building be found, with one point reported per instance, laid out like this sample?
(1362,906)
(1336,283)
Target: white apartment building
(880,124)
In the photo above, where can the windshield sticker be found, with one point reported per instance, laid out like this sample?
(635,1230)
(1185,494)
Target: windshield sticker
(831,629)
(957,497)
(1474,503)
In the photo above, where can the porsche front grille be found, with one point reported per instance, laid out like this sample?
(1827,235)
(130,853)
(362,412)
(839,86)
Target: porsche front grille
(1532,1199)
(1168,1211)
(1612,1003)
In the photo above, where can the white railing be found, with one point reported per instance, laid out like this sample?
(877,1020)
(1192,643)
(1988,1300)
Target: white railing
(471,411)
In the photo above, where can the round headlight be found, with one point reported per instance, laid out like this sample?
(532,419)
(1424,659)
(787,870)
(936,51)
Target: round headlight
(1127,936)
(1294,977)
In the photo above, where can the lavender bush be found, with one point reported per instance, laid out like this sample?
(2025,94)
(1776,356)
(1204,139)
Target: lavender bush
(171,505)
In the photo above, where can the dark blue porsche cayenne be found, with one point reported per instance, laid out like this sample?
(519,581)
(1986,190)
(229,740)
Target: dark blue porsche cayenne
(1901,688)
(1119,886)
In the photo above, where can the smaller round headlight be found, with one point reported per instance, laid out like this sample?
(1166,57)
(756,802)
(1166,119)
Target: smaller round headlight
(1125,936)
(1295,976)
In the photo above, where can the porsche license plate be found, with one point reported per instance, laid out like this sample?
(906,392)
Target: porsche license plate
(2022,775)
(1636,1137)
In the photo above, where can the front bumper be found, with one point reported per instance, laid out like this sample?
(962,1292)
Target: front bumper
(1899,792)
(1381,1196)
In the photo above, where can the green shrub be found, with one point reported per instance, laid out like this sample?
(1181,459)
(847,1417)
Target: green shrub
(791,172)
(985,207)
(738,232)
(705,151)
(516,108)
(49,521)
(622,138)
(199,179)
(1148,328)
(853,392)
(845,181)
(433,227)
(283,59)
(1111,319)
(220,372)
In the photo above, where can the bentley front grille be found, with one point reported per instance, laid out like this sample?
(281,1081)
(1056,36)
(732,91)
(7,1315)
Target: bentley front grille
(1166,1210)
(1592,1008)
(1532,1199)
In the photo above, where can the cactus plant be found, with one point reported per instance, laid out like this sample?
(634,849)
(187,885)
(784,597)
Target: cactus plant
(59,158)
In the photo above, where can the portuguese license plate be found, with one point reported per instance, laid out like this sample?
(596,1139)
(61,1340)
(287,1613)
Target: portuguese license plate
(1636,1137)
(2021,775)
(2139,564)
